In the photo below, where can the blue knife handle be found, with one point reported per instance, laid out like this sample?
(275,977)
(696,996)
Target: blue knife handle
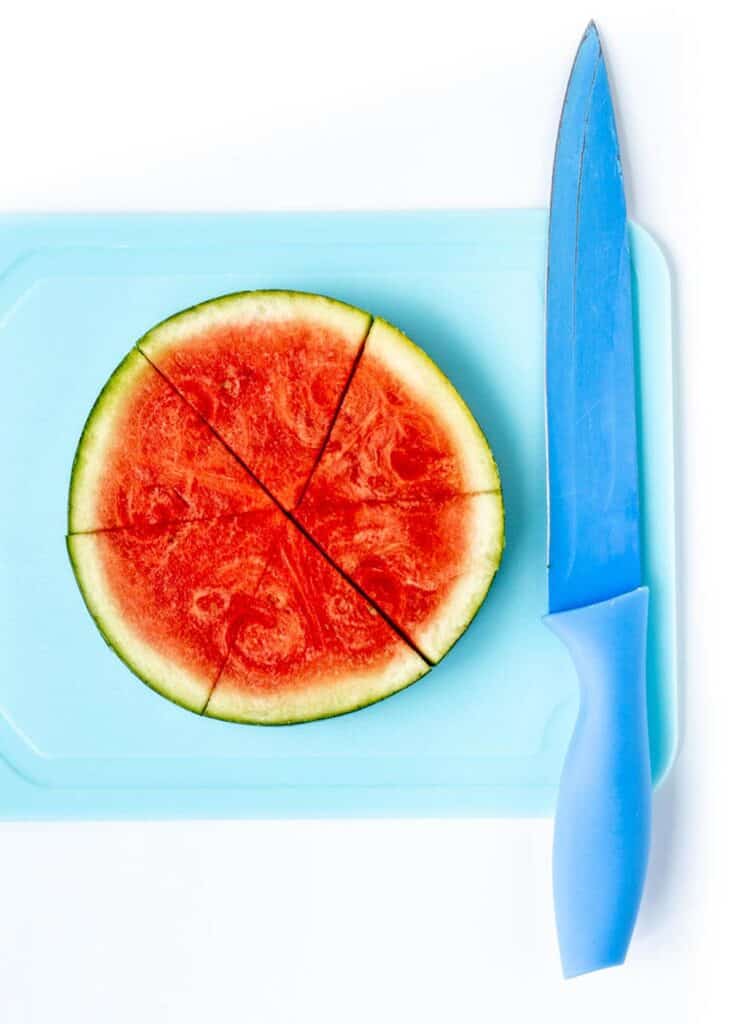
(602,821)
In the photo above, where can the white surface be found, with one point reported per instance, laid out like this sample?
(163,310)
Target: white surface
(329,104)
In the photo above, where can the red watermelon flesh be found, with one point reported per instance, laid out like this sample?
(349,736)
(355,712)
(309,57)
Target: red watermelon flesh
(173,618)
(402,432)
(294,640)
(266,374)
(205,586)
(146,457)
(414,559)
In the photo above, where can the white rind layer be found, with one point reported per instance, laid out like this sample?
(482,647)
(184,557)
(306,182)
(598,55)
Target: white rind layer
(244,308)
(484,552)
(318,698)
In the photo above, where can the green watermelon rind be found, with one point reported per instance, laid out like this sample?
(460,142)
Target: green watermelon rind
(114,630)
(98,430)
(249,306)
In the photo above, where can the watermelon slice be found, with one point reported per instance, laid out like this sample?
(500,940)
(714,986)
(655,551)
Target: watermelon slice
(266,370)
(402,432)
(309,646)
(427,565)
(277,514)
(146,457)
(165,597)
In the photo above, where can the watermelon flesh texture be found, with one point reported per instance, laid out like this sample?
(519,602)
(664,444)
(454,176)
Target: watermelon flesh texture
(308,645)
(168,597)
(205,586)
(146,457)
(402,432)
(266,371)
(427,565)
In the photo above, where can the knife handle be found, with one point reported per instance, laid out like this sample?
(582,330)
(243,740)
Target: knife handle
(602,821)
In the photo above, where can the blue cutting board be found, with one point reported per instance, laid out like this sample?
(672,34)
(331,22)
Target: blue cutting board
(485,732)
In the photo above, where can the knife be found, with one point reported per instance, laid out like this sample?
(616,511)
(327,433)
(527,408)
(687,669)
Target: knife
(597,603)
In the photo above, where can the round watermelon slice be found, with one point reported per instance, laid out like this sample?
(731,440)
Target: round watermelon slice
(281,510)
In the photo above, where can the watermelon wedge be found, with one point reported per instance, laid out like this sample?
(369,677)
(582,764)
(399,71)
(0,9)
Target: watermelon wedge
(309,646)
(402,432)
(146,457)
(426,565)
(166,599)
(266,370)
(281,510)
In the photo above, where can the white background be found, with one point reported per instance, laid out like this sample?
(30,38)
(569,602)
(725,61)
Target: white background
(387,104)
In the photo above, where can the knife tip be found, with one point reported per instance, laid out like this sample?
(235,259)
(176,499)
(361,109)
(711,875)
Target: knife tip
(592,29)
(589,49)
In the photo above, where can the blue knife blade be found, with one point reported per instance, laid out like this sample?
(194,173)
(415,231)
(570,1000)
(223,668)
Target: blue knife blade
(593,520)
(597,604)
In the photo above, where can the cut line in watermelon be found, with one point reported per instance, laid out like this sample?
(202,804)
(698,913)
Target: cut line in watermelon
(427,567)
(376,534)
(146,457)
(164,604)
(287,660)
(402,432)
